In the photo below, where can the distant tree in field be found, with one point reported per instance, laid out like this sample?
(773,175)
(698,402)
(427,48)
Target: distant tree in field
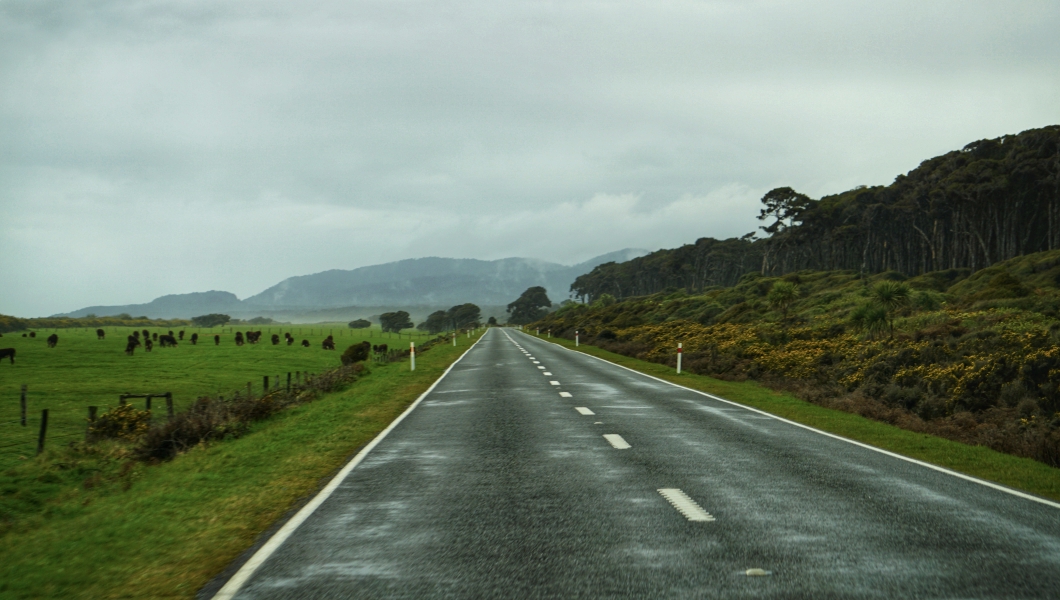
(210,320)
(360,324)
(395,321)
(437,322)
(464,315)
(492,321)
(532,305)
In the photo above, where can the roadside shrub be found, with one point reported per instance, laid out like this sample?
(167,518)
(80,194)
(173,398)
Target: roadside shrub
(122,422)
(356,353)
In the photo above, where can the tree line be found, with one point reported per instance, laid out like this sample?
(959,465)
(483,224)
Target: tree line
(992,200)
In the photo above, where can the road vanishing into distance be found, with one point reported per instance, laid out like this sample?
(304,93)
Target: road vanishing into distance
(533,471)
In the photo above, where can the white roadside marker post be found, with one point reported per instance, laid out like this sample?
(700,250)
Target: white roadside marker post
(575,338)
(454,338)
(679,358)
(539,331)
(412,356)
(549,334)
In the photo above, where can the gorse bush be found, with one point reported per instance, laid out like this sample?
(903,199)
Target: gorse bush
(903,351)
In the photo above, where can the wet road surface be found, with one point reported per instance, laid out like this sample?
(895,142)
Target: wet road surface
(532,471)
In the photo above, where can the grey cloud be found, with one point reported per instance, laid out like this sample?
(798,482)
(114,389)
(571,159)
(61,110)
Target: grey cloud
(197,145)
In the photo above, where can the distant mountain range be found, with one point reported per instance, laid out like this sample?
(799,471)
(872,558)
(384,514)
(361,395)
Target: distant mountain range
(419,283)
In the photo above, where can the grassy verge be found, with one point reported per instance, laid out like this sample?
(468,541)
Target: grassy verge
(1019,473)
(164,531)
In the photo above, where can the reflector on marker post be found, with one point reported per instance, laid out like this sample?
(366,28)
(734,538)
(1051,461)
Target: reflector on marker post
(412,356)
(679,358)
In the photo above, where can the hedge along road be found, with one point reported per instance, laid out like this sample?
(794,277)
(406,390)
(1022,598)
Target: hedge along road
(534,471)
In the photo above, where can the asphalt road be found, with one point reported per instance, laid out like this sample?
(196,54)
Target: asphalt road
(499,485)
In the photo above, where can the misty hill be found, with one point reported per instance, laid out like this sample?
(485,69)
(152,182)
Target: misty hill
(421,282)
(429,282)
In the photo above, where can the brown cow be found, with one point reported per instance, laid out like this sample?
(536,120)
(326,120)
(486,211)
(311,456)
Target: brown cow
(7,353)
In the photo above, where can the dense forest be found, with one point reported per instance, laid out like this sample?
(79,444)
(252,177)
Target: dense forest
(988,202)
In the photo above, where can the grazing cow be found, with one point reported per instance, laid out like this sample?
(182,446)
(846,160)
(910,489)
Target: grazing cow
(7,353)
(275,339)
(100,334)
(148,344)
(147,334)
(290,341)
(33,334)
(253,337)
(167,340)
(154,336)
(170,334)
(239,338)
(329,343)
(53,340)
(216,340)
(23,335)
(130,347)
(305,343)
(136,334)
(180,335)
(194,338)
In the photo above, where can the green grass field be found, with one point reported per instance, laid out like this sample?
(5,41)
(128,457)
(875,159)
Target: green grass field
(82,371)
(90,523)
(978,461)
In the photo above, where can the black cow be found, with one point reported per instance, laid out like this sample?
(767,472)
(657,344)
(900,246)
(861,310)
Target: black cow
(154,336)
(148,345)
(329,343)
(275,339)
(53,339)
(305,343)
(100,334)
(33,334)
(130,347)
(194,338)
(239,338)
(216,340)
(290,341)
(7,353)
(167,340)
(147,334)
(180,335)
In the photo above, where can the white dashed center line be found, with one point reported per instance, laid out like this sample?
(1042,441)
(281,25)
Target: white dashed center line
(541,367)
(685,505)
(583,411)
(537,362)
(554,382)
(564,395)
(616,441)
(547,373)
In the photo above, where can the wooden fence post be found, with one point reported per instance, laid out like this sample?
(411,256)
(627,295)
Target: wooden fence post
(92,410)
(265,385)
(147,403)
(43,430)
(288,382)
(23,403)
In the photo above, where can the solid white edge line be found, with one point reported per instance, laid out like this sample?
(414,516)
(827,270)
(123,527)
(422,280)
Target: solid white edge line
(983,482)
(235,583)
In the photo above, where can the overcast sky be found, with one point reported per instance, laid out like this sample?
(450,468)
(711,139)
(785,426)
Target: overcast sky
(154,147)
